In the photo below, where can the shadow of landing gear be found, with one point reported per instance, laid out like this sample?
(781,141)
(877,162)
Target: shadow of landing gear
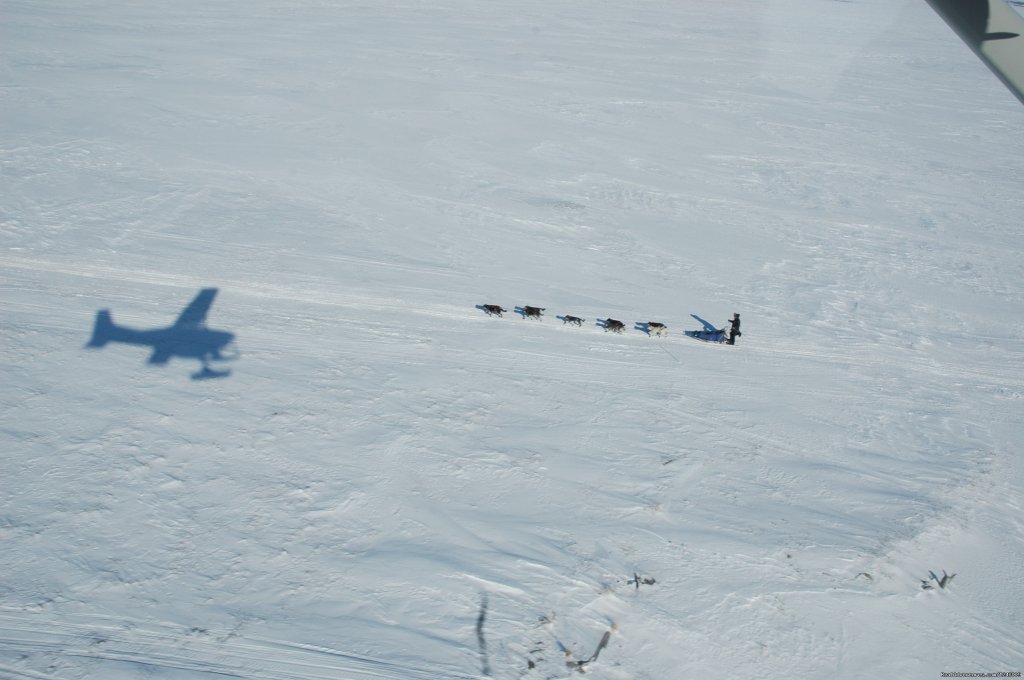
(207,373)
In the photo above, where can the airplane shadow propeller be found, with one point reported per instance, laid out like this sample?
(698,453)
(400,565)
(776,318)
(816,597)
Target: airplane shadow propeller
(188,338)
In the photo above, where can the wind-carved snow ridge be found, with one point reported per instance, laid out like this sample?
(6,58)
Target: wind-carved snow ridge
(128,647)
(393,483)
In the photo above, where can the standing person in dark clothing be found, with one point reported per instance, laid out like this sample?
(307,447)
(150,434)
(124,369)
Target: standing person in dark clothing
(734,330)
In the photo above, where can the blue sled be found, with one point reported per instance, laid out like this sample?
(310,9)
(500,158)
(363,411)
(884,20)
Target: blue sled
(709,333)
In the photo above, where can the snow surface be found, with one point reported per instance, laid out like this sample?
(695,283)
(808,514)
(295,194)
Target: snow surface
(391,484)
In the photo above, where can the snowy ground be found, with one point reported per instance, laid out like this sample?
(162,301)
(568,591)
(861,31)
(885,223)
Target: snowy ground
(389,483)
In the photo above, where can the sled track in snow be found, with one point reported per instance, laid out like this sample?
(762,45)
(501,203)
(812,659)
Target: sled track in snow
(193,650)
(390,305)
(382,305)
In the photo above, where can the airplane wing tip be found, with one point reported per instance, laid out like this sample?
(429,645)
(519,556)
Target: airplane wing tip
(195,313)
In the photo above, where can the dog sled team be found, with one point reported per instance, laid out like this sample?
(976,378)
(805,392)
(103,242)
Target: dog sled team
(653,328)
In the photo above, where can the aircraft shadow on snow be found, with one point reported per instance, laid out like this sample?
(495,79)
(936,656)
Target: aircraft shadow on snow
(188,338)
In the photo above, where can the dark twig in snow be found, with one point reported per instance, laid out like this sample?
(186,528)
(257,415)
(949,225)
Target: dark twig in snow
(638,581)
(581,665)
(942,582)
(481,641)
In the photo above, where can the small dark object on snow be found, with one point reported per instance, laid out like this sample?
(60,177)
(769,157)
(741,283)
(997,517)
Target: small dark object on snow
(734,330)
(494,310)
(481,640)
(942,582)
(581,665)
(533,312)
(614,325)
(636,580)
(569,318)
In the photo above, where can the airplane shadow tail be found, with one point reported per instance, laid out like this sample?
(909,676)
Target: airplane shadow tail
(103,329)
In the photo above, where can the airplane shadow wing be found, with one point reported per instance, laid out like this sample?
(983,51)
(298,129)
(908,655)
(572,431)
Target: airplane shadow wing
(161,355)
(195,313)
